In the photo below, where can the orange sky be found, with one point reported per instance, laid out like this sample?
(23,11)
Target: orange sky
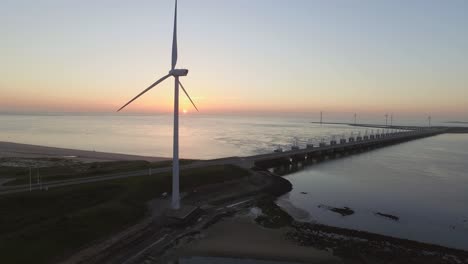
(73,57)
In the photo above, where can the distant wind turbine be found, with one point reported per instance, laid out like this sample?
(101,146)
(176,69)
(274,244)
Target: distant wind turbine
(176,73)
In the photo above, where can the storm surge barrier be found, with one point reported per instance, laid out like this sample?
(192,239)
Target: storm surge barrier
(343,147)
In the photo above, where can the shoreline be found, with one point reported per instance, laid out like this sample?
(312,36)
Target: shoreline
(299,242)
(348,243)
(305,242)
(19,150)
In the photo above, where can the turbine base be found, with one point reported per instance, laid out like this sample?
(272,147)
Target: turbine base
(185,214)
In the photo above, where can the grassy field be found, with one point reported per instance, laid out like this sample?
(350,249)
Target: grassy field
(78,170)
(42,227)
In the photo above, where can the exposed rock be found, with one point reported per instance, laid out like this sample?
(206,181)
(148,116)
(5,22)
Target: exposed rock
(392,217)
(363,247)
(345,211)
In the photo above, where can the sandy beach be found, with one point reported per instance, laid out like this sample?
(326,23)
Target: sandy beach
(17,150)
(241,238)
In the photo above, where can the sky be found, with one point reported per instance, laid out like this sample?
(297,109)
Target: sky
(244,56)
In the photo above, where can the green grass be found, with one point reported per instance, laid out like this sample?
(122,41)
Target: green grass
(41,227)
(9,172)
(68,171)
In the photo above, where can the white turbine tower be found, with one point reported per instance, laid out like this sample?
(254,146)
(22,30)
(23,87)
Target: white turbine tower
(176,73)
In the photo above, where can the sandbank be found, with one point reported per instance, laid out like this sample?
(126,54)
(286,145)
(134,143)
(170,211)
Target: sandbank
(17,150)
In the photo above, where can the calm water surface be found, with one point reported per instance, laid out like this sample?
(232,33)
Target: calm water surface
(424,182)
(201,137)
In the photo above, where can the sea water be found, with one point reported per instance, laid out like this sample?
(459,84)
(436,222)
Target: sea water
(423,182)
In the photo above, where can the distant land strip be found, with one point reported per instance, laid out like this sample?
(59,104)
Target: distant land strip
(456,122)
(448,129)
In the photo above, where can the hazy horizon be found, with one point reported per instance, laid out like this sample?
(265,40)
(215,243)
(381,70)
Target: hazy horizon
(306,117)
(262,57)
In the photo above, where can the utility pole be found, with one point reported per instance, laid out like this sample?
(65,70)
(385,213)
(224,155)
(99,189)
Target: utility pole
(391,120)
(355,117)
(30,187)
(386,119)
(321,115)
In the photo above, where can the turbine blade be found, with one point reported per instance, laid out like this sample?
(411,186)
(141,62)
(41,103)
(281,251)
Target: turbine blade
(147,89)
(174,39)
(188,96)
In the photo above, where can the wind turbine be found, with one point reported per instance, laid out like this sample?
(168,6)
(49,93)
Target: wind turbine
(176,73)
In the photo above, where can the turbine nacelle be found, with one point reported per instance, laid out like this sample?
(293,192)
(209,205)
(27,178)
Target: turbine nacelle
(178,72)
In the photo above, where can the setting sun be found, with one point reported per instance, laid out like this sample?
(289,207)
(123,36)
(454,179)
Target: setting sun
(184,111)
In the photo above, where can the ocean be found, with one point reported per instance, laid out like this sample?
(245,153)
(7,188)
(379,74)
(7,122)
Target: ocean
(201,136)
(423,182)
